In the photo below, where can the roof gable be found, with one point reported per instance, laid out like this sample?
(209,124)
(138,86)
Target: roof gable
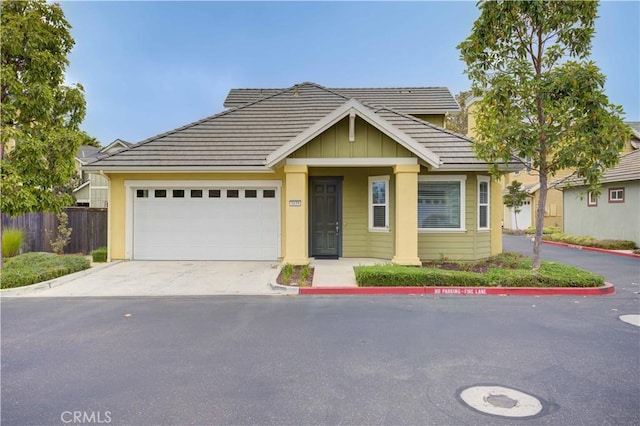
(352,106)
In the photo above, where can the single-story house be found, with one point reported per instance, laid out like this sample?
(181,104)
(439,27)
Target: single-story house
(615,213)
(93,188)
(306,171)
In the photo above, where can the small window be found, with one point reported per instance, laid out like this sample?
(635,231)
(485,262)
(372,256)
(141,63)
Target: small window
(160,193)
(232,193)
(214,193)
(616,195)
(178,193)
(250,193)
(142,193)
(592,199)
(483,202)
(269,193)
(196,193)
(379,203)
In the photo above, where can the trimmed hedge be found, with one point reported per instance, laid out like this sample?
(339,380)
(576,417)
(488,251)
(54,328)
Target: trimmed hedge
(545,231)
(584,240)
(31,268)
(99,255)
(550,274)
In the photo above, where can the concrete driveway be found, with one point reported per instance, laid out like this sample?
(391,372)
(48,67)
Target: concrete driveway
(160,278)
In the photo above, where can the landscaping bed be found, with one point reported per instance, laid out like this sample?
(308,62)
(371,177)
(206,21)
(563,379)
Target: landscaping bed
(31,268)
(504,270)
(295,275)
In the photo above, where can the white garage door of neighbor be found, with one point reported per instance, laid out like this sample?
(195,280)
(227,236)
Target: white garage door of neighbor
(205,223)
(524,217)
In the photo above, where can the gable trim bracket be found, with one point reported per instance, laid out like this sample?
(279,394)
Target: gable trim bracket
(349,108)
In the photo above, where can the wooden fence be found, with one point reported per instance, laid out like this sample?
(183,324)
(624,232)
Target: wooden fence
(89,227)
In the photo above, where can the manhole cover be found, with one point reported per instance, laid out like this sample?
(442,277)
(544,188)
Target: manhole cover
(501,401)
(632,319)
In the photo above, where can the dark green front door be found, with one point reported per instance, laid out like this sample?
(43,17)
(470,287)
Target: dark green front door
(325,217)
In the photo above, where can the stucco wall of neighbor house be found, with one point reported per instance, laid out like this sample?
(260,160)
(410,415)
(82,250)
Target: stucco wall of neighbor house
(437,119)
(117,200)
(606,220)
(334,143)
(469,244)
(83,195)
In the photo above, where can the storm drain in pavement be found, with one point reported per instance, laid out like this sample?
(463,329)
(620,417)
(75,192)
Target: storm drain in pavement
(632,319)
(501,401)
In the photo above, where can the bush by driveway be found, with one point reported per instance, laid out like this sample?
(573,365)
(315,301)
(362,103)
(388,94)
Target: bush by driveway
(31,268)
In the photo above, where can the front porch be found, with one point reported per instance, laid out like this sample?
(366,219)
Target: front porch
(351,212)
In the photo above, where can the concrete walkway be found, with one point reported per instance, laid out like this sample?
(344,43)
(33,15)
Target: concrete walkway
(339,272)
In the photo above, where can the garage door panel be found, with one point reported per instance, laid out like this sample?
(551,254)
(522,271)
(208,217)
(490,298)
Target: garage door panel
(206,228)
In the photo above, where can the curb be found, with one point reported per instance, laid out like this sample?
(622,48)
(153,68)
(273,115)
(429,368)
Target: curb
(607,289)
(284,288)
(595,249)
(44,285)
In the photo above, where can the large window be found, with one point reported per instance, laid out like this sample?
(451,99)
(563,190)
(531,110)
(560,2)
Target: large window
(483,202)
(441,203)
(379,203)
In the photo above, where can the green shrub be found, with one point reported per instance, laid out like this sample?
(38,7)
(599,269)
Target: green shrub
(12,239)
(287,272)
(584,240)
(99,255)
(545,231)
(550,274)
(31,268)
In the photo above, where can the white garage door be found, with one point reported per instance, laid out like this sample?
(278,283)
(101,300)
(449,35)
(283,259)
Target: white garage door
(206,223)
(523,219)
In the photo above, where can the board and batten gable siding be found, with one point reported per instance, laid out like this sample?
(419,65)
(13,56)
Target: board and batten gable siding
(369,143)
(117,201)
(470,244)
(620,221)
(357,240)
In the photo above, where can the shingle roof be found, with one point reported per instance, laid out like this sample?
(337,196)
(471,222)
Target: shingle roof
(245,136)
(409,100)
(627,169)
(635,126)
(86,152)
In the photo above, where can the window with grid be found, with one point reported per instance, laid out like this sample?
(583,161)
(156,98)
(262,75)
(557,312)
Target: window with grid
(379,203)
(483,202)
(441,203)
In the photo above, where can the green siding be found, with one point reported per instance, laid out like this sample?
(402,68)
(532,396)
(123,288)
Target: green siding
(437,119)
(467,245)
(334,143)
(357,241)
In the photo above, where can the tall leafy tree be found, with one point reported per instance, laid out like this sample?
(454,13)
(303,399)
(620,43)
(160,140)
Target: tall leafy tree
(39,114)
(458,121)
(542,98)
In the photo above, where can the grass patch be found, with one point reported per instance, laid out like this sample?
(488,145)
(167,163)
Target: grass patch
(300,275)
(12,239)
(31,268)
(504,270)
(545,231)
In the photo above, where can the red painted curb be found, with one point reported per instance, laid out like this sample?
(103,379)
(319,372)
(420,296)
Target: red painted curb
(585,248)
(463,291)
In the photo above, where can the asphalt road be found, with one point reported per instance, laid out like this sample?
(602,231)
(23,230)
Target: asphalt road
(322,360)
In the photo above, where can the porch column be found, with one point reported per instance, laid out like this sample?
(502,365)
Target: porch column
(406,214)
(296,241)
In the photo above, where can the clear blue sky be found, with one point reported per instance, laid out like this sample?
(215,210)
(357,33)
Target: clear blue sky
(148,67)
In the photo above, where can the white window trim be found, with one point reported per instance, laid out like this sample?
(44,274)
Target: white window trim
(384,179)
(440,178)
(592,199)
(486,179)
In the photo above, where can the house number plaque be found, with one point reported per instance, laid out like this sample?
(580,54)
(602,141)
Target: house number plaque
(295,203)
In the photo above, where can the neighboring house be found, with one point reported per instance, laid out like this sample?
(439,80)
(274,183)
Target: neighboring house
(305,172)
(554,214)
(93,189)
(615,214)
